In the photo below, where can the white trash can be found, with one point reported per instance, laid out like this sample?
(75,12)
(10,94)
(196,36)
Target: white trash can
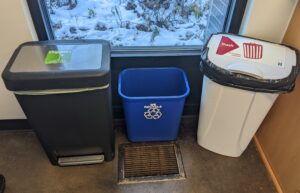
(242,79)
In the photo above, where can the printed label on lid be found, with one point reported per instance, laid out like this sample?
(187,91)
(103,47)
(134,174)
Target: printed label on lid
(253,51)
(226,45)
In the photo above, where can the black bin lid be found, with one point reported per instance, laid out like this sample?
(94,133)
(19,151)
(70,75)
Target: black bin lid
(63,64)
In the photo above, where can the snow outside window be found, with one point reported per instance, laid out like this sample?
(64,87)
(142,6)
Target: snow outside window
(138,22)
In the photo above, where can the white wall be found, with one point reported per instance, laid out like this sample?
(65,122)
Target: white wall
(14,29)
(266,19)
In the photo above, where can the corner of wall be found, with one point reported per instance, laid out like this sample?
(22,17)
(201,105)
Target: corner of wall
(261,19)
(28,19)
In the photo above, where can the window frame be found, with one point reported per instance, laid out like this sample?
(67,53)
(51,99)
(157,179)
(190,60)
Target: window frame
(233,22)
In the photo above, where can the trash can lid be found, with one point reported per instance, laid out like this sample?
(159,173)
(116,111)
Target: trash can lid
(58,65)
(250,63)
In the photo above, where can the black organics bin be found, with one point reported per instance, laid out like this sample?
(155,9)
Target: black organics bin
(63,88)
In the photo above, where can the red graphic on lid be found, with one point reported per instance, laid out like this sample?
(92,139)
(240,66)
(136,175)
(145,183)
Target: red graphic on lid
(253,51)
(226,45)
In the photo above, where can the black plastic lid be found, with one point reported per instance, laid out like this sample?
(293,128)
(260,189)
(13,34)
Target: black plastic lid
(61,64)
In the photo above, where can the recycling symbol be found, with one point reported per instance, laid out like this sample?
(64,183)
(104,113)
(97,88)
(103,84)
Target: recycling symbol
(153,111)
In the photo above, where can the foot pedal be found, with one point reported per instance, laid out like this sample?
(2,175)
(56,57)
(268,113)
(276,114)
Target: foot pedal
(80,160)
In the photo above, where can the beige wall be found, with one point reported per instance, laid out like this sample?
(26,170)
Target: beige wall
(267,19)
(14,29)
(292,36)
(279,135)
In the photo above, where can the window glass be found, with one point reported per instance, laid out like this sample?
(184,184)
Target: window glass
(138,22)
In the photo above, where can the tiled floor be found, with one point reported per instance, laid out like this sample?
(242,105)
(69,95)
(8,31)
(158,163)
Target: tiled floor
(28,170)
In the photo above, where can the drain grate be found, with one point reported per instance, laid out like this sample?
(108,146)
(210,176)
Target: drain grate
(150,162)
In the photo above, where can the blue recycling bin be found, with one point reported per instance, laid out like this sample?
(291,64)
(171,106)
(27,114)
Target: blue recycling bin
(153,100)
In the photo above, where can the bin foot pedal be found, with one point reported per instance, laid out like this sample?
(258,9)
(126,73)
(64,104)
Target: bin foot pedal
(80,160)
(150,162)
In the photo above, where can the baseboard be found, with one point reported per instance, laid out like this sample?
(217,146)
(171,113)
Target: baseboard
(267,165)
(14,124)
(22,124)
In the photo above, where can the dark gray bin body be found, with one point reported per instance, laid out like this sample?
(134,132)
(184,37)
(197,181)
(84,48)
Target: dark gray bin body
(67,104)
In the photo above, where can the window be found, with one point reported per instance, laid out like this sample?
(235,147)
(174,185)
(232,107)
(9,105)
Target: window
(136,22)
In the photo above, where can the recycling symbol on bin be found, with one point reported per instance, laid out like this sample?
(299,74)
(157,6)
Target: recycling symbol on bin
(153,111)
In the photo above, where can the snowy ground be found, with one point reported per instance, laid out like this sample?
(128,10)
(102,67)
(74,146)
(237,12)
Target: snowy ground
(132,22)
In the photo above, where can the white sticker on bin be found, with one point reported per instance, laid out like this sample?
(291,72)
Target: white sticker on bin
(250,56)
(152,111)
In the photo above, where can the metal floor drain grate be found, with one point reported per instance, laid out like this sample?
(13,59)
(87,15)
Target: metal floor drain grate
(150,162)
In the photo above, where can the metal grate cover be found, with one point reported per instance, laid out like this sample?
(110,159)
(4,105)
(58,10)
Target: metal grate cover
(150,162)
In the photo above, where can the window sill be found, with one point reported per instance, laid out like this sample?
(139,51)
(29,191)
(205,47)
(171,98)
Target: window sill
(158,51)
